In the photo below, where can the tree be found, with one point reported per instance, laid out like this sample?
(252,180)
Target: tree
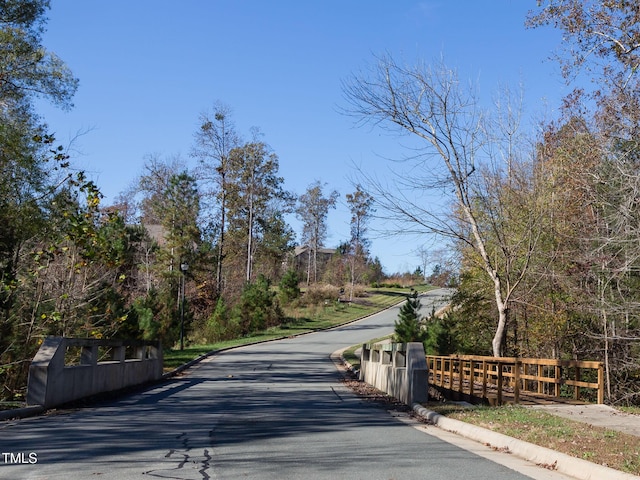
(214,142)
(289,288)
(253,185)
(456,142)
(178,213)
(28,69)
(595,31)
(313,208)
(170,212)
(603,39)
(32,170)
(258,307)
(26,181)
(276,242)
(408,327)
(361,206)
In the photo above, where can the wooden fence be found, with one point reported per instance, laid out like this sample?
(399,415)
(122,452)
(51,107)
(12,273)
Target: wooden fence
(493,379)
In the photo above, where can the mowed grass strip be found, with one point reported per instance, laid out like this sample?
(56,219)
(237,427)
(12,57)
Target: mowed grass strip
(300,320)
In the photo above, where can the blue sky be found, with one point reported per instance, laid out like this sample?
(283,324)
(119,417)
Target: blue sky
(149,68)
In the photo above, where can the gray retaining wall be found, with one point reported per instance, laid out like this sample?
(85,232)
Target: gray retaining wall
(98,366)
(398,369)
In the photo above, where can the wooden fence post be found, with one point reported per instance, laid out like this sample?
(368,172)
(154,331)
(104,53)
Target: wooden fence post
(472,376)
(499,383)
(601,383)
(540,383)
(516,379)
(484,379)
(451,373)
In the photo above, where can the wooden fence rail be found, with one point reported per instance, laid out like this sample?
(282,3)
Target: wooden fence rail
(491,377)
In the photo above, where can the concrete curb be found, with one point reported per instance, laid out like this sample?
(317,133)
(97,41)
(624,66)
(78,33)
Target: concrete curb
(545,457)
(24,412)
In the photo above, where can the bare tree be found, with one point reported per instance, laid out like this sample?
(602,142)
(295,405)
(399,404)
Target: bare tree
(452,157)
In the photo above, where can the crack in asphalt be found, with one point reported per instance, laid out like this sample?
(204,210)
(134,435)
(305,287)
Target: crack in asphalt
(185,459)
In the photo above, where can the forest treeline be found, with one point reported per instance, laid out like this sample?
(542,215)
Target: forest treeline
(542,220)
(207,248)
(542,217)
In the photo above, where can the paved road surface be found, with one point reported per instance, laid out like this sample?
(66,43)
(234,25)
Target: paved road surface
(270,411)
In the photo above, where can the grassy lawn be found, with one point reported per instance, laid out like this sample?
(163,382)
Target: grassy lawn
(301,320)
(595,444)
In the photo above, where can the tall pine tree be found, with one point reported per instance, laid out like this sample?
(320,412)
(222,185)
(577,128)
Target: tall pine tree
(407,327)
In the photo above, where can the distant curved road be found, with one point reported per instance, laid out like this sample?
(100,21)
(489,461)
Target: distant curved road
(275,410)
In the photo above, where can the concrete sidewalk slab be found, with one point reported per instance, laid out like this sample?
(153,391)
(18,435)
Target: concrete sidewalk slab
(596,415)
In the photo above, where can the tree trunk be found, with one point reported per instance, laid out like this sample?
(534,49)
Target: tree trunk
(223,207)
(497,343)
(250,240)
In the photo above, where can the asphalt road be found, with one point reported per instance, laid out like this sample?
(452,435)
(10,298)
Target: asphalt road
(271,411)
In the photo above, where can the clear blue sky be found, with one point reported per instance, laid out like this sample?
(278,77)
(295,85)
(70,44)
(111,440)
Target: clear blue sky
(149,68)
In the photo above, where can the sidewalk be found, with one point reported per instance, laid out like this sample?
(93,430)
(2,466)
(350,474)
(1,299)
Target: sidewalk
(596,415)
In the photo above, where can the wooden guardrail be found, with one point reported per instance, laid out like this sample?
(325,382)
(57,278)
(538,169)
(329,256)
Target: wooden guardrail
(493,377)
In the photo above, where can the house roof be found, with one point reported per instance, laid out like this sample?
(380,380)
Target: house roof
(299,250)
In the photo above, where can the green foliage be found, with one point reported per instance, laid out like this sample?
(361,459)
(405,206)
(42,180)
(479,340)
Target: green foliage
(469,323)
(439,339)
(157,316)
(219,326)
(275,240)
(408,327)
(289,289)
(145,316)
(29,69)
(257,308)
(32,170)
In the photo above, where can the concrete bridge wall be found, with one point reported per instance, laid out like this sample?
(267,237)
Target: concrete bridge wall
(52,382)
(398,369)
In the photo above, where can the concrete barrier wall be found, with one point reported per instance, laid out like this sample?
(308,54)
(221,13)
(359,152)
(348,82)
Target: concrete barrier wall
(52,382)
(397,369)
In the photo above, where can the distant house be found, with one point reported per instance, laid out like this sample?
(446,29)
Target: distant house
(302,255)
(157,233)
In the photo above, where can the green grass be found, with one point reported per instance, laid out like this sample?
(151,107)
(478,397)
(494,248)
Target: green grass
(174,358)
(301,320)
(633,410)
